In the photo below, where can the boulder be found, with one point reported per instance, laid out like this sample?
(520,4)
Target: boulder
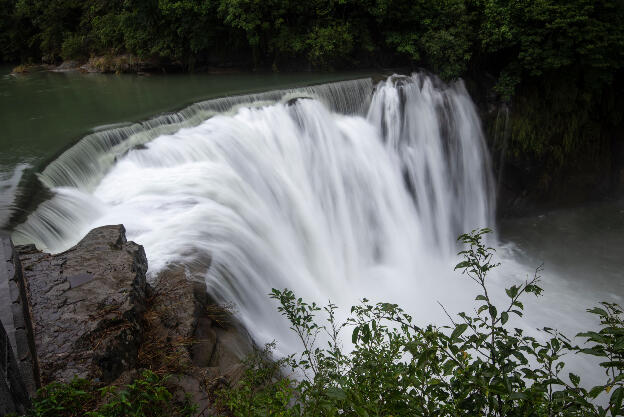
(15,315)
(94,316)
(87,305)
(193,338)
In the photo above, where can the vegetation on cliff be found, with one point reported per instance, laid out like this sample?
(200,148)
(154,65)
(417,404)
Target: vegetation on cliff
(146,396)
(478,365)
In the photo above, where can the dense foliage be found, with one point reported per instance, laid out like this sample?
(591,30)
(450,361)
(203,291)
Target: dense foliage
(479,365)
(146,396)
(512,38)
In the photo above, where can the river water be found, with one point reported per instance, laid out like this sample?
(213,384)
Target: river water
(338,191)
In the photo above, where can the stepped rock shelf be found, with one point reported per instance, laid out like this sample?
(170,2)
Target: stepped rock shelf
(90,312)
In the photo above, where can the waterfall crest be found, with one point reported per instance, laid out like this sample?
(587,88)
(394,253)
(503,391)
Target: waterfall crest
(84,164)
(338,196)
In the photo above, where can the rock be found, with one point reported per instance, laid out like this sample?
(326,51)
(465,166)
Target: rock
(68,66)
(190,336)
(14,396)
(186,385)
(15,315)
(87,306)
(94,316)
(29,68)
(182,318)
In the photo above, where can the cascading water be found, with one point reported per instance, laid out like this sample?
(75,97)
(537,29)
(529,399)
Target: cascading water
(336,192)
(436,134)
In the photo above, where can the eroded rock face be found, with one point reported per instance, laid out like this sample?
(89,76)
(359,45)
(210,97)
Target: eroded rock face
(191,337)
(94,316)
(87,306)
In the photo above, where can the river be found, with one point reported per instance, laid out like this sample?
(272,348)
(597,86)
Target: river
(332,190)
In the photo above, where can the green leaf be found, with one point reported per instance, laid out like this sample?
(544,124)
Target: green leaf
(616,401)
(517,396)
(461,328)
(598,311)
(336,393)
(504,317)
(596,391)
(492,311)
(462,265)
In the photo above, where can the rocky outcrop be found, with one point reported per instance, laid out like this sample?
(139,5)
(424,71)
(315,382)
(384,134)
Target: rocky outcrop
(95,316)
(87,306)
(14,397)
(193,338)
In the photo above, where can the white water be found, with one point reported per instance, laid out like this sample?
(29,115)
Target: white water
(353,193)
(332,197)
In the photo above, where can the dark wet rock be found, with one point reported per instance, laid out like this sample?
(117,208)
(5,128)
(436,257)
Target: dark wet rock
(30,68)
(87,306)
(15,317)
(95,316)
(193,338)
(14,396)
(293,101)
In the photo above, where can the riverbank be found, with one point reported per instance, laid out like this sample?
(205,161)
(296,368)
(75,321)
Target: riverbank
(114,64)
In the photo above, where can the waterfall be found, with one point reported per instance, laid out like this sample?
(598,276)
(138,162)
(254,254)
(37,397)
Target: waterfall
(356,191)
(83,165)
(436,134)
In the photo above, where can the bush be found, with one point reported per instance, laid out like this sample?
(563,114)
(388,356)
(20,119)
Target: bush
(147,396)
(476,366)
(74,47)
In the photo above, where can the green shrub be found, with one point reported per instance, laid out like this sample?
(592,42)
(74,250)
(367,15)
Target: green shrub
(74,47)
(476,366)
(147,396)
(58,399)
(262,391)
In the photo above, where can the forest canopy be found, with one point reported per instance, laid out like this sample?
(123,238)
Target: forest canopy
(512,39)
